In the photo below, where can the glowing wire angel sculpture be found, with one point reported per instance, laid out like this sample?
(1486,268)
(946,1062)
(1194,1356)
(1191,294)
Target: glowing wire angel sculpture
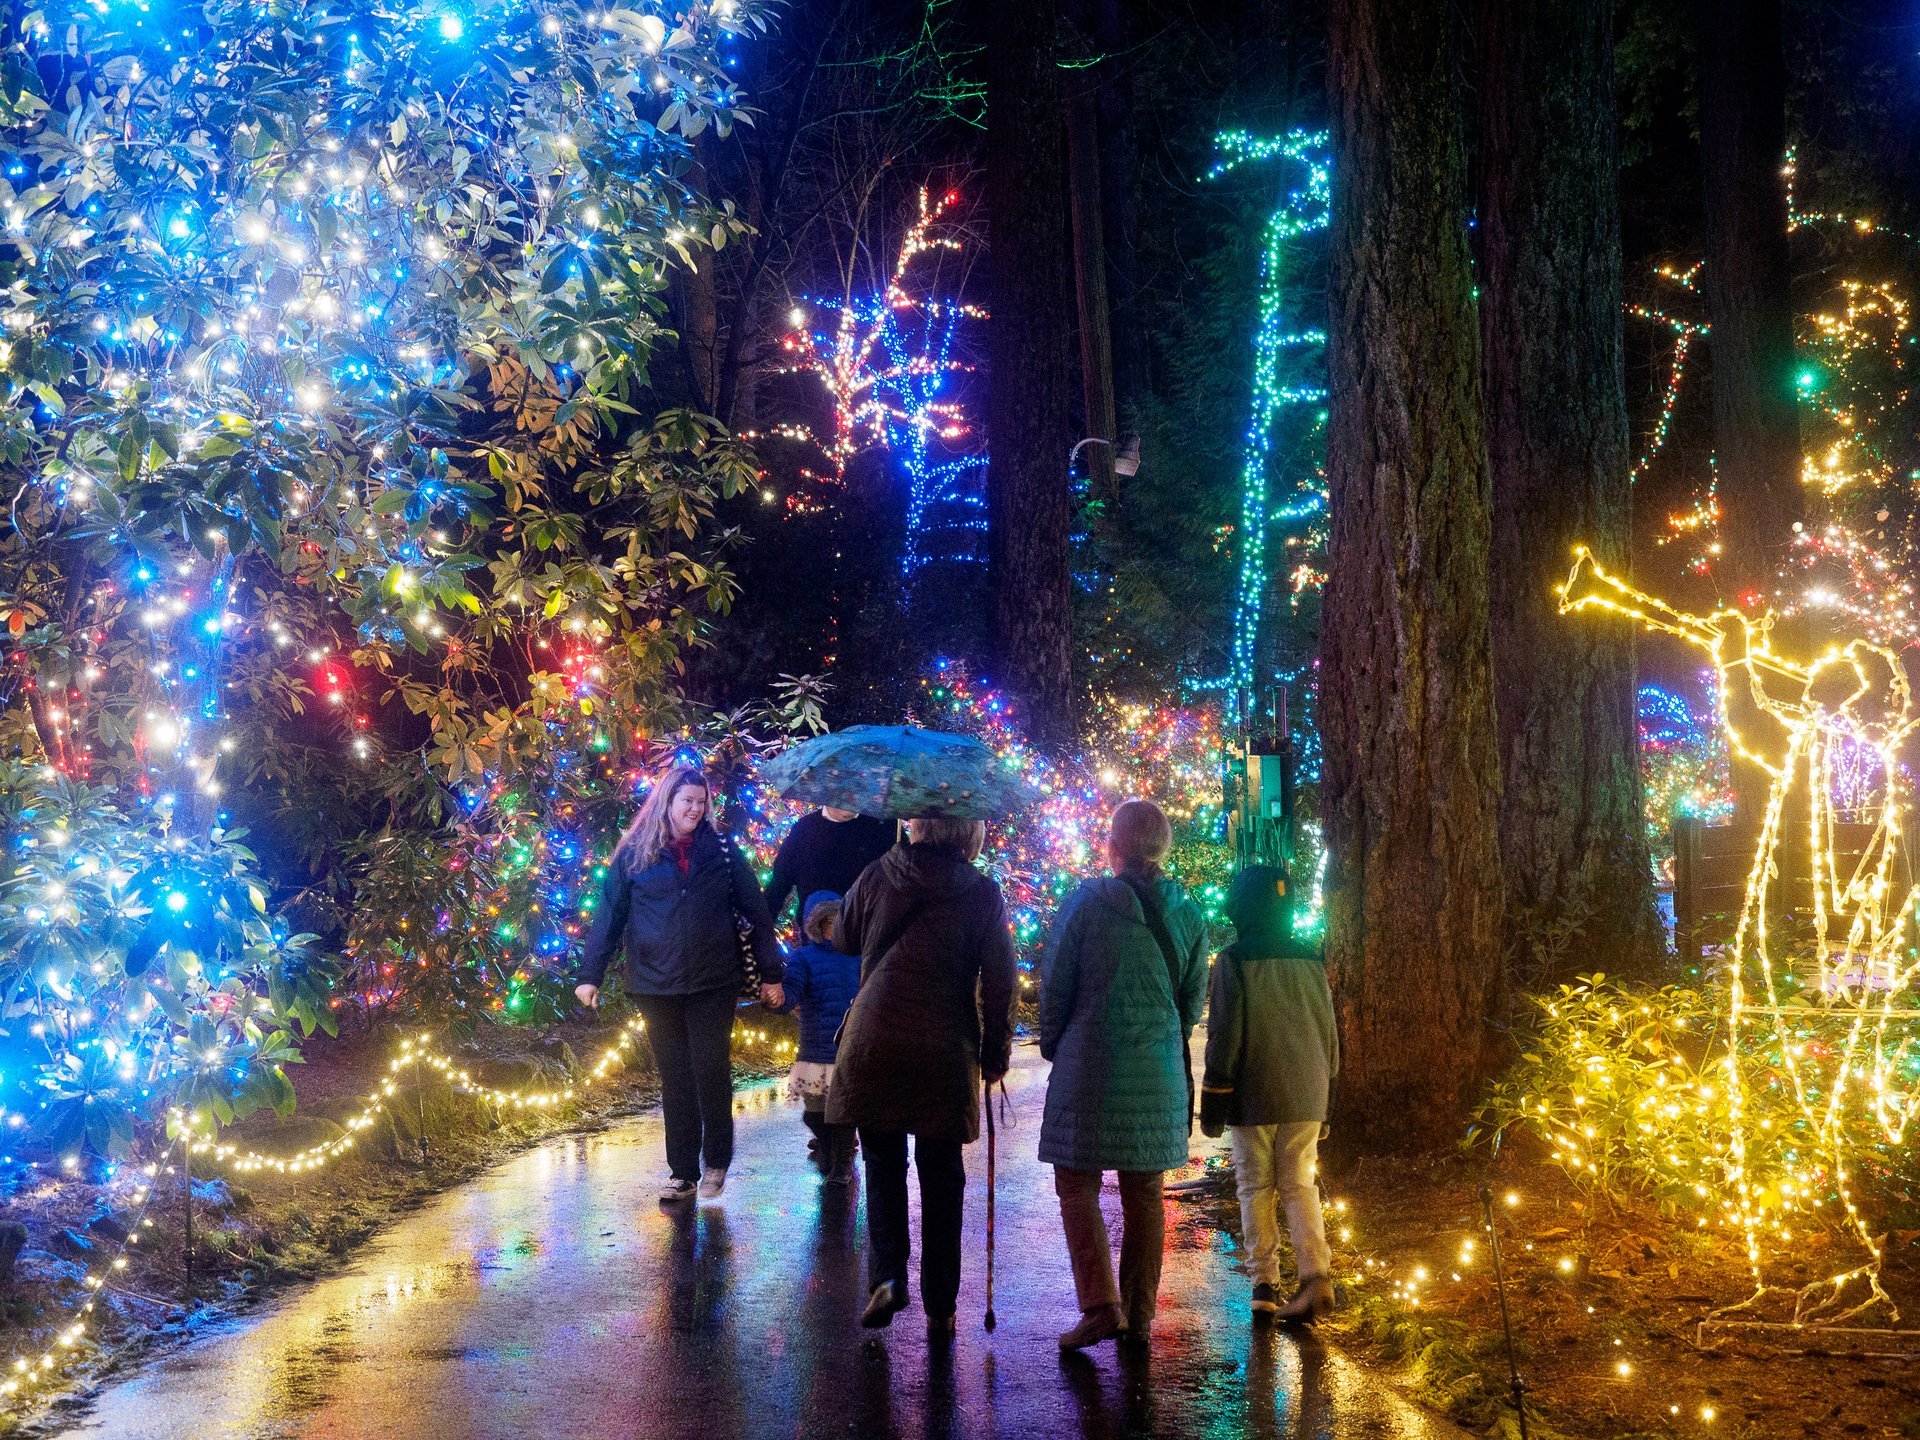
(1833,1008)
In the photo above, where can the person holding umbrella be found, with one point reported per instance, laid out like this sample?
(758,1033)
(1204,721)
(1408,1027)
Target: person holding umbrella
(933,1018)
(674,899)
(826,850)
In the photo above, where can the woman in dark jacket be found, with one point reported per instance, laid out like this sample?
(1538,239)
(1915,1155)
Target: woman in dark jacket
(672,894)
(1125,973)
(932,1020)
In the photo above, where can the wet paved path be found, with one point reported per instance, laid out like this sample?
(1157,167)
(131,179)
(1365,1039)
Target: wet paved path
(551,1296)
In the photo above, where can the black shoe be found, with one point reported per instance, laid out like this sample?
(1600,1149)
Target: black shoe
(1266,1300)
(942,1327)
(886,1301)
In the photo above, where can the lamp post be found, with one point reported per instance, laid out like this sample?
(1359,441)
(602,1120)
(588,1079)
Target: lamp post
(1126,460)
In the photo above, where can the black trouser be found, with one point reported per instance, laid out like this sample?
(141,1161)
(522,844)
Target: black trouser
(692,1039)
(943,1185)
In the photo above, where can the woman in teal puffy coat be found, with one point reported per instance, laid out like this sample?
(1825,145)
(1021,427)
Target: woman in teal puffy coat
(1124,977)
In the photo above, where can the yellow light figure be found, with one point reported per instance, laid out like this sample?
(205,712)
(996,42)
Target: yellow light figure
(1820,993)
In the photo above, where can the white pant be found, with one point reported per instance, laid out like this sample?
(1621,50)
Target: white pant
(1273,1167)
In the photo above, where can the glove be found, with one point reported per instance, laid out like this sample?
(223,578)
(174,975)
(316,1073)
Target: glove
(1213,1112)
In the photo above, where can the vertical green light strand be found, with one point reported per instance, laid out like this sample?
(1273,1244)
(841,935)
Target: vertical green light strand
(1302,211)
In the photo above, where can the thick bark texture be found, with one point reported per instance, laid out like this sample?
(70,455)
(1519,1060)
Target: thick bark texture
(1090,286)
(1119,211)
(1412,782)
(1579,887)
(1030,344)
(1756,425)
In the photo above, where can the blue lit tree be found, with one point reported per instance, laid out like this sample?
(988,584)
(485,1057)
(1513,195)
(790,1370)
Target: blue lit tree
(326,328)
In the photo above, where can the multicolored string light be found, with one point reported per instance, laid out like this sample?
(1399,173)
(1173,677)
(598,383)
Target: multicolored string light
(889,364)
(1856,385)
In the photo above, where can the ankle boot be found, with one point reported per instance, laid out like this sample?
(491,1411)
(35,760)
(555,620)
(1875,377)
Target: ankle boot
(1103,1322)
(1313,1299)
(839,1150)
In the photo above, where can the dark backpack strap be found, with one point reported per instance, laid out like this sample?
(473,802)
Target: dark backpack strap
(1157,927)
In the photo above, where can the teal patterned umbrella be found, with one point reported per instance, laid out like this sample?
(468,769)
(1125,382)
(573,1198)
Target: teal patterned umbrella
(900,771)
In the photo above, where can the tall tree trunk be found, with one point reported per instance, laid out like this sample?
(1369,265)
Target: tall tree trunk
(1030,363)
(1756,425)
(1119,212)
(698,321)
(1412,780)
(1571,828)
(1090,284)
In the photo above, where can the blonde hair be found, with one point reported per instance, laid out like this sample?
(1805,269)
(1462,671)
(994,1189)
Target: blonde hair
(647,836)
(1140,836)
(966,836)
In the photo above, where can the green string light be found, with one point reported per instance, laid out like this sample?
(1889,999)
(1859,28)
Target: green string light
(1288,360)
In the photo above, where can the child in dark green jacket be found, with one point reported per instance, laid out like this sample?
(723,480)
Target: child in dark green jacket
(1272,1053)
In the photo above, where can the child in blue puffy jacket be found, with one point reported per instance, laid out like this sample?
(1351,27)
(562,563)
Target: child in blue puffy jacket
(820,983)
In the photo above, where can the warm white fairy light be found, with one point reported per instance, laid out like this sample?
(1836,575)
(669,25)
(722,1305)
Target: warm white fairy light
(418,1051)
(28,1374)
(1853,992)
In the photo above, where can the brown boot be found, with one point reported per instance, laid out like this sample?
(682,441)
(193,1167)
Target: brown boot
(1313,1299)
(1103,1322)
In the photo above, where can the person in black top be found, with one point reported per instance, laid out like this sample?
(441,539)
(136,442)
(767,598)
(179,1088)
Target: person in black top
(671,906)
(826,850)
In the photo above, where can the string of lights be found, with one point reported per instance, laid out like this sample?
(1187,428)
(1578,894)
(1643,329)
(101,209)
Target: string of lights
(1855,382)
(31,1373)
(888,363)
(1832,992)
(1289,370)
(417,1051)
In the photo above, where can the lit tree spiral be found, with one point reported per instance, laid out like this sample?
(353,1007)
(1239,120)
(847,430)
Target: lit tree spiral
(1859,420)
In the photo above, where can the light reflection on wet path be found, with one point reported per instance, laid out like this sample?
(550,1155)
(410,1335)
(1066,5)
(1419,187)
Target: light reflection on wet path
(551,1296)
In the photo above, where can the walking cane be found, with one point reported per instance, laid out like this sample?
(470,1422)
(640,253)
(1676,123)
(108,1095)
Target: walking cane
(988,1098)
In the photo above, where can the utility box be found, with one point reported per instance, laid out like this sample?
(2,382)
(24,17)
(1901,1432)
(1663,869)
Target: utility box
(1269,794)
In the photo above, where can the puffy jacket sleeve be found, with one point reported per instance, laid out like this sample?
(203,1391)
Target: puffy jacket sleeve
(609,925)
(795,981)
(1193,973)
(753,909)
(1333,1029)
(997,975)
(1059,975)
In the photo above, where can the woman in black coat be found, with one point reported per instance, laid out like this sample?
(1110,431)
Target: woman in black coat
(932,1020)
(672,894)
